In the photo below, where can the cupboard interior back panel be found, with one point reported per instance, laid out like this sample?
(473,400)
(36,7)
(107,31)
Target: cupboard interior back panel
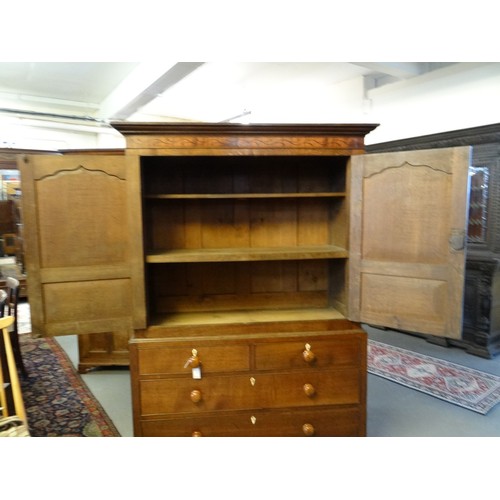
(235,286)
(243,174)
(242,223)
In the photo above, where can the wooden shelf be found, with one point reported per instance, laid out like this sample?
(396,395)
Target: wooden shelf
(244,196)
(247,254)
(243,317)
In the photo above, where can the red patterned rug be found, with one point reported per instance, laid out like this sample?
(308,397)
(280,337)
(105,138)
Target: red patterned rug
(465,387)
(57,400)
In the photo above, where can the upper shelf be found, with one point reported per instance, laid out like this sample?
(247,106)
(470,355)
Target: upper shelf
(234,196)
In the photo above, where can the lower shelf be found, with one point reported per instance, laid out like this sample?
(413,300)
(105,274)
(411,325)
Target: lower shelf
(244,317)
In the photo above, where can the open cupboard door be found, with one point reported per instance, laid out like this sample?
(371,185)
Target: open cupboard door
(78,218)
(407,241)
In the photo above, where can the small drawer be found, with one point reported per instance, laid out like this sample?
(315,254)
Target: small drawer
(321,353)
(175,395)
(169,360)
(315,388)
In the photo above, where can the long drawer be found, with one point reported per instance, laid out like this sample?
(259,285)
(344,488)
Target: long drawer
(235,392)
(320,423)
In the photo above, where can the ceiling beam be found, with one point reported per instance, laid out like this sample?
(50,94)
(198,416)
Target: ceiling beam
(142,86)
(400,70)
(445,70)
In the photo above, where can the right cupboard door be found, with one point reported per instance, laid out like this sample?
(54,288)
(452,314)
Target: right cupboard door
(407,240)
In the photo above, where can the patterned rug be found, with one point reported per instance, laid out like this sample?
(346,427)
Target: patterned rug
(57,400)
(465,387)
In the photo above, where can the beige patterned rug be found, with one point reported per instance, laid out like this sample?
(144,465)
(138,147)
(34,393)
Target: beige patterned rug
(472,389)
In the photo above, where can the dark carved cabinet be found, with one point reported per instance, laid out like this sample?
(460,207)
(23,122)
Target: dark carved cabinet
(481,316)
(481,322)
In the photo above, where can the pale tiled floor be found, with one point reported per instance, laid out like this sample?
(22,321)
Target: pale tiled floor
(110,387)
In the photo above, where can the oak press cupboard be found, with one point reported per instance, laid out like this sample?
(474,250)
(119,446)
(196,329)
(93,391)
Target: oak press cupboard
(238,261)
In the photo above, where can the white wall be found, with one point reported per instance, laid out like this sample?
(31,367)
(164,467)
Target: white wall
(447,99)
(309,102)
(465,99)
(45,135)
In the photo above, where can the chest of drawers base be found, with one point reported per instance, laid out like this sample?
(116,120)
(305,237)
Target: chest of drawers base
(266,384)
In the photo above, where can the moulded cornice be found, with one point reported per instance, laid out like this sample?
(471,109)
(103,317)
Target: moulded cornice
(153,128)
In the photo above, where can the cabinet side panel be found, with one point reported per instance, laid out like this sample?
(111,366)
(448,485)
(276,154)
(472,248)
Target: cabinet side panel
(31,246)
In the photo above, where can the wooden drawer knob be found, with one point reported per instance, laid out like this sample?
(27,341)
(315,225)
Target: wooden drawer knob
(195,396)
(196,434)
(308,355)
(309,390)
(308,430)
(193,361)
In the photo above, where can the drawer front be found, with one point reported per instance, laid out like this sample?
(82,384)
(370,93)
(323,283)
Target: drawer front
(319,353)
(314,388)
(164,396)
(320,423)
(237,392)
(168,360)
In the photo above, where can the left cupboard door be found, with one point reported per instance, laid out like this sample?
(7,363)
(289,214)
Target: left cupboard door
(81,244)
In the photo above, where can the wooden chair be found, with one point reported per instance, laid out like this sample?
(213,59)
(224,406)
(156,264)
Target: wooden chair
(13,287)
(7,395)
(18,408)
(3,302)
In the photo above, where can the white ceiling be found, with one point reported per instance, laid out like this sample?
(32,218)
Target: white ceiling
(97,92)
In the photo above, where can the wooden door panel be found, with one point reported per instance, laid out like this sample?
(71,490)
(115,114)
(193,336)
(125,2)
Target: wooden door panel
(87,306)
(408,220)
(395,228)
(86,222)
(79,253)
(405,301)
